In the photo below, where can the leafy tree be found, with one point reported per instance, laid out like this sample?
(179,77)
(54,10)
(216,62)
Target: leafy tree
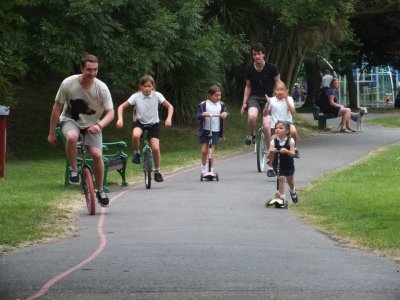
(12,46)
(376,24)
(290,30)
(169,40)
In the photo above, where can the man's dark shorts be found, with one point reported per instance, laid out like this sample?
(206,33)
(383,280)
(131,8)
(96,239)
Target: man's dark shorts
(257,102)
(203,138)
(154,131)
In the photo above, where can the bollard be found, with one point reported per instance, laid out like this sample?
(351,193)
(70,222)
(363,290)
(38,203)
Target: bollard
(4,112)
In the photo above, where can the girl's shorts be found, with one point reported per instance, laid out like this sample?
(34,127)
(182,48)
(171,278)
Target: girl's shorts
(285,172)
(203,138)
(154,131)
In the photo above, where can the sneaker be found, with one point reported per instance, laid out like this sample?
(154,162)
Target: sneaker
(248,140)
(296,153)
(158,177)
(102,198)
(295,199)
(136,158)
(270,172)
(74,177)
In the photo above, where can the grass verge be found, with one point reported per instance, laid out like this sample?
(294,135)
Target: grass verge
(359,210)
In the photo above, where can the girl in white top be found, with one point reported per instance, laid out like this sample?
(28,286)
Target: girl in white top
(147,101)
(281,107)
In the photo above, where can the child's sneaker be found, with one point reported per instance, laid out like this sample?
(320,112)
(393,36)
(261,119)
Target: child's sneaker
(270,172)
(248,140)
(74,177)
(296,153)
(136,158)
(158,177)
(295,199)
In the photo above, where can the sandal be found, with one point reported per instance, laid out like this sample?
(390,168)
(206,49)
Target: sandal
(351,129)
(345,130)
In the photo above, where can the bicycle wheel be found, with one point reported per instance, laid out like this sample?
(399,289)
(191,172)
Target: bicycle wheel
(260,148)
(147,165)
(88,189)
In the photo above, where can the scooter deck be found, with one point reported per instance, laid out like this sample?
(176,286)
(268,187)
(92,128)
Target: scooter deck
(277,203)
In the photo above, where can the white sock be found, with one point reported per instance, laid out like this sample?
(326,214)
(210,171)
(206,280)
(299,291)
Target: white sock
(292,191)
(283,197)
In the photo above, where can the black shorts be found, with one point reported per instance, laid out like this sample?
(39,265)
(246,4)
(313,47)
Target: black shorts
(285,172)
(203,138)
(154,131)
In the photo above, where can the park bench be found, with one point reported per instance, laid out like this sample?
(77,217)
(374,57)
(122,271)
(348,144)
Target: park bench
(113,161)
(320,117)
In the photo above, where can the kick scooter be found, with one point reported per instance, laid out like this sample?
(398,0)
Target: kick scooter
(210,176)
(277,201)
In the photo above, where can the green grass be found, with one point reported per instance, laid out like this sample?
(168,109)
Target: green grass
(360,210)
(392,121)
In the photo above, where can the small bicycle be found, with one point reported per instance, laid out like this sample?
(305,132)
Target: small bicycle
(146,157)
(210,175)
(86,176)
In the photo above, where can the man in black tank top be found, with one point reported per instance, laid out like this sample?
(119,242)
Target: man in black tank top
(260,80)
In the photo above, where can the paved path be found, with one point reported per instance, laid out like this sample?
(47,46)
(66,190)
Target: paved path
(186,239)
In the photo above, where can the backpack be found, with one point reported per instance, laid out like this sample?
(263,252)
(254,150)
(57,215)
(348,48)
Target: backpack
(322,99)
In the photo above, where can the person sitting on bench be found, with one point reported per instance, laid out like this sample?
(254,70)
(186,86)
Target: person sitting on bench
(331,106)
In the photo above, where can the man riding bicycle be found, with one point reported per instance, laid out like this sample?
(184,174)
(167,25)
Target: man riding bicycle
(260,79)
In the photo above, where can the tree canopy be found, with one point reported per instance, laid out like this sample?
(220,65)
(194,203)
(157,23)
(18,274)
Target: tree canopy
(186,45)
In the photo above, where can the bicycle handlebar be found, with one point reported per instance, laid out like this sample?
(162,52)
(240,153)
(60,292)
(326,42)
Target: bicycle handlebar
(213,116)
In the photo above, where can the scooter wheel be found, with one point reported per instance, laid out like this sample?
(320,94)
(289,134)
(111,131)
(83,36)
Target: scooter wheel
(201,177)
(216,177)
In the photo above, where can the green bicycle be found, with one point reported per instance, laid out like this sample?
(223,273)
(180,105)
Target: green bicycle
(146,162)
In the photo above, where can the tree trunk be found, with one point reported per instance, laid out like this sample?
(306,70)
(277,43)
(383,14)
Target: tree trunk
(313,76)
(351,87)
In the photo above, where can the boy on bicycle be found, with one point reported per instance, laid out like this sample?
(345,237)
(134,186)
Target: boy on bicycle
(146,102)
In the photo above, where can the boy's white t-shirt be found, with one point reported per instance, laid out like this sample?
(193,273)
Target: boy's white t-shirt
(214,108)
(147,106)
(279,110)
(82,106)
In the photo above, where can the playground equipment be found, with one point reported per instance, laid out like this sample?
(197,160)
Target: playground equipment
(376,87)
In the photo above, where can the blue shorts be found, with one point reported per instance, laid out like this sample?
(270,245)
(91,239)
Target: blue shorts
(203,138)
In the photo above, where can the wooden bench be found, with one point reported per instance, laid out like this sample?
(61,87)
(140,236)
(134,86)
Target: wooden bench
(113,161)
(320,117)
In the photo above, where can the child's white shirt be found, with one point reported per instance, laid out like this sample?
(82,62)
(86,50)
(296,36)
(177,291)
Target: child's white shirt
(279,110)
(282,142)
(147,106)
(214,108)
